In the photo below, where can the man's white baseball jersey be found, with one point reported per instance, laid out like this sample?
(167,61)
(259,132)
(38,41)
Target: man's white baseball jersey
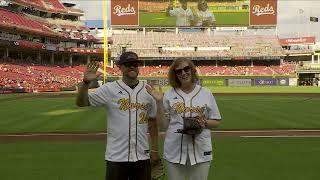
(128,111)
(178,104)
(183,16)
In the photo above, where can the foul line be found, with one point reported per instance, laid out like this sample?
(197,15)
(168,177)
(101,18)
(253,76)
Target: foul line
(221,132)
(287,136)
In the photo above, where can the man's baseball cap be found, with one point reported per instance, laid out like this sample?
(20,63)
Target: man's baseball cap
(128,57)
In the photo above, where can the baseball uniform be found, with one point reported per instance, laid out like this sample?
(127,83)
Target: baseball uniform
(180,147)
(183,16)
(203,16)
(128,111)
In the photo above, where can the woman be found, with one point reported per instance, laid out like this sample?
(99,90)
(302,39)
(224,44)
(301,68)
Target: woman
(187,155)
(203,16)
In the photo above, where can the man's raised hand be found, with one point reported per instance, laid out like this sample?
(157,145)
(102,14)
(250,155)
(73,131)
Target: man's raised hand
(90,72)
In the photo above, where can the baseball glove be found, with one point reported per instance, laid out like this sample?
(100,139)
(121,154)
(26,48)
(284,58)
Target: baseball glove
(157,170)
(192,126)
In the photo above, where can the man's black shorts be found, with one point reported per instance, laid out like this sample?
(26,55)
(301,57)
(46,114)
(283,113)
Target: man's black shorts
(140,170)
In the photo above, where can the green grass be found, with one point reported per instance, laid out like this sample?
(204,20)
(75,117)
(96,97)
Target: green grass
(222,19)
(60,114)
(49,115)
(234,159)
(263,112)
(266,158)
(5,96)
(156,20)
(52,160)
(17,95)
(226,18)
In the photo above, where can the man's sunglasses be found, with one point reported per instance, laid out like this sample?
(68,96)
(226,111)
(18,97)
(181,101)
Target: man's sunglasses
(185,69)
(131,64)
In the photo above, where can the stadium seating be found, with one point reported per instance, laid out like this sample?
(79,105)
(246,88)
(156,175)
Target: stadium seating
(45,5)
(235,46)
(40,76)
(34,3)
(11,19)
(54,4)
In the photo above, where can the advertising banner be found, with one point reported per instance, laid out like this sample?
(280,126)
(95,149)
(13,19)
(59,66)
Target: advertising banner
(293,81)
(283,82)
(213,82)
(265,82)
(263,12)
(160,82)
(124,13)
(300,40)
(239,82)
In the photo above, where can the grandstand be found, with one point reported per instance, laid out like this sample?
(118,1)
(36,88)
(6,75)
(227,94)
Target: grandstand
(230,54)
(44,47)
(42,44)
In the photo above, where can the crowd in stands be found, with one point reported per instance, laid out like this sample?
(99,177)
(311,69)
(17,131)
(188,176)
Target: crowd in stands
(29,75)
(28,19)
(147,44)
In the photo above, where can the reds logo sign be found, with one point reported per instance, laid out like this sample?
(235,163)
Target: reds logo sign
(124,12)
(260,10)
(120,11)
(263,12)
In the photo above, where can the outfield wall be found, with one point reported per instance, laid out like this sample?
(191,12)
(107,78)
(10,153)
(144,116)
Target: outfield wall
(225,80)
(212,81)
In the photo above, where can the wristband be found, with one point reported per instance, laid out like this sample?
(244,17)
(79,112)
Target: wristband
(86,82)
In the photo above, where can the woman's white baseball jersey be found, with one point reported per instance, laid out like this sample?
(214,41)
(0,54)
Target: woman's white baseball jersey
(203,16)
(179,104)
(128,111)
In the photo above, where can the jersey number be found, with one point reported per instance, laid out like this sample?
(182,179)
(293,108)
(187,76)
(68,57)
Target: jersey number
(142,118)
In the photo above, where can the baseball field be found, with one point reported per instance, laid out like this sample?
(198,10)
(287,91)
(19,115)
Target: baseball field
(222,19)
(266,133)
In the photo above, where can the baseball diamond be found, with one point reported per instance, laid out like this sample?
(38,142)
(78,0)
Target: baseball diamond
(159,89)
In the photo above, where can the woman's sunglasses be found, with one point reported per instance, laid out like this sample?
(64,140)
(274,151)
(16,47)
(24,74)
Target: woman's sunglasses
(185,69)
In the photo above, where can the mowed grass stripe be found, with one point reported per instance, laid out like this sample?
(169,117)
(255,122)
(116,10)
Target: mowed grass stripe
(222,18)
(265,159)
(268,112)
(30,112)
(239,114)
(92,120)
(249,112)
(50,115)
(38,121)
(52,160)
(234,158)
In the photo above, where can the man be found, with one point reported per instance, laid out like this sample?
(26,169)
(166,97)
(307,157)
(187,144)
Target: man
(184,14)
(130,109)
